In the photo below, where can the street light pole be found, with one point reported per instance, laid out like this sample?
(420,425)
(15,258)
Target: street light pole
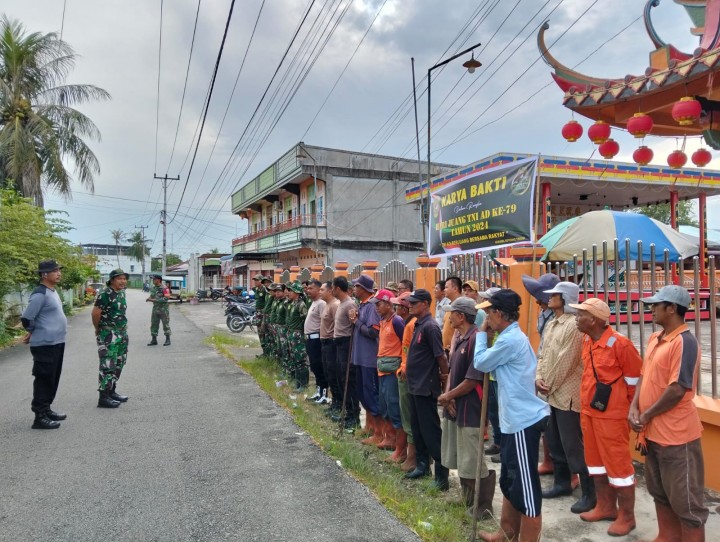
(471,65)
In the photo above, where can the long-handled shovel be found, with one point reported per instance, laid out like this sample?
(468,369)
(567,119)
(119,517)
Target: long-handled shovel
(481,455)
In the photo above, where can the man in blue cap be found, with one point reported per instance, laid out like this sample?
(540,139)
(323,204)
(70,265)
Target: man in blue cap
(46,326)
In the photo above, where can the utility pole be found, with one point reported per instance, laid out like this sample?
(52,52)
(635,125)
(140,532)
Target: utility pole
(142,262)
(163,220)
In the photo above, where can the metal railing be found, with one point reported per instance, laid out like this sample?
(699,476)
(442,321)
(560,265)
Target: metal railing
(296,222)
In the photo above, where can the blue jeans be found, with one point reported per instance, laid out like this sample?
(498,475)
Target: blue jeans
(390,400)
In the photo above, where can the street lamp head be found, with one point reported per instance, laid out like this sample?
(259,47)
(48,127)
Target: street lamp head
(472,64)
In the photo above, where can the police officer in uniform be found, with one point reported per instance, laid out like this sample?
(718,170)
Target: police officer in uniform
(159,295)
(110,322)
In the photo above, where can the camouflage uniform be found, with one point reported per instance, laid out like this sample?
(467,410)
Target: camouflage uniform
(160,311)
(113,335)
(297,355)
(269,326)
(262,298)
(281,334)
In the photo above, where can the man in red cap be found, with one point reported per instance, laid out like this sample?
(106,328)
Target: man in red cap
(611,369)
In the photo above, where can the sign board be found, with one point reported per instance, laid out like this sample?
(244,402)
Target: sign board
(484,210)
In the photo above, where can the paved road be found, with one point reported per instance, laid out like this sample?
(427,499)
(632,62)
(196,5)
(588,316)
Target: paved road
(198,453)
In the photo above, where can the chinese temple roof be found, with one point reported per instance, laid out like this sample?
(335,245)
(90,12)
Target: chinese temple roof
(671,75)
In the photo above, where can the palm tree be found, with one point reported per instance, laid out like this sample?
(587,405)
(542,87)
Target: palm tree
(138,249)
(117,235)
(39,127)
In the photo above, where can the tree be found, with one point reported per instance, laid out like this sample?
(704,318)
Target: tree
(661,213)
(138,249)
(39,127)
(117,235)
(170,259)
(41,240)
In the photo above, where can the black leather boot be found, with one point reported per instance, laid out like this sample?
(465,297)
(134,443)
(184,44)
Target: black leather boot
(167,340)
(561,486)
(56,416)
(441,477)
(588,500)
(117,397)
(153,340)
(42,421)
(105,401)
(422,468)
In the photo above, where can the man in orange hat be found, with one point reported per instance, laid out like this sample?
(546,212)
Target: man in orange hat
(611,370)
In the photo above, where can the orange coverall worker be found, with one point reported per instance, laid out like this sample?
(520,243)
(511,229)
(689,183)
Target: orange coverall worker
(606,434)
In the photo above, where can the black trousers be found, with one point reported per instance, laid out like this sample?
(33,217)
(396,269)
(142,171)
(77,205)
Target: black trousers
(342,359)
(425,423)
(314,353)
(329,361)
(565,441)
(47,367)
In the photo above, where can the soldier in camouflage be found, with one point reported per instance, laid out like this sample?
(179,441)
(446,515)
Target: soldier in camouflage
(294,323)
(280,332)
(261,301)
(159,295)
(110,322)
(270,305)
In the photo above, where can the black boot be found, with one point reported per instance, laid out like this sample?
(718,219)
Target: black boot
(42,421)
(422,468)
(441,477)
(117,397)
(153,340)
(167,340)
(561,486)
(56,416)
(105,401)
(588,500)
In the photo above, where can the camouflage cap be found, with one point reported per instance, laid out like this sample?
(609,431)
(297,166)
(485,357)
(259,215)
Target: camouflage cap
(297,288)
(116,273)
(258,277)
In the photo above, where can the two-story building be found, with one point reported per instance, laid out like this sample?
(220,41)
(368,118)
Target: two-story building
(111,257)
(320,205)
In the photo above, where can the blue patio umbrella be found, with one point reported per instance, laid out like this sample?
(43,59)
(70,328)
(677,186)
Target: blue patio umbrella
(570,237)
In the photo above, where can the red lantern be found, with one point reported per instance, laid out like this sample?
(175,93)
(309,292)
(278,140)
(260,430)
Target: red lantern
(572,131)
(677,159)
(640,125)
(643,155)
(686,111)
(599,132)
(609,148)
(701,157)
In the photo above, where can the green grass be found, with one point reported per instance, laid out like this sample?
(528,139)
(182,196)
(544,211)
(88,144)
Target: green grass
(415,503)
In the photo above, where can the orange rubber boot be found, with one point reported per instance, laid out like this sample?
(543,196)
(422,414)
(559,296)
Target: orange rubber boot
(606,507)
(369,428)
(379,433)
(400,453)
(670,529)
(510,522)
(625,521)
(411,460)
(546,467)
(388,443)
(530,529)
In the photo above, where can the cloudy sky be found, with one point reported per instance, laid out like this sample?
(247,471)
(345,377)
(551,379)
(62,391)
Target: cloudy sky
(510,104)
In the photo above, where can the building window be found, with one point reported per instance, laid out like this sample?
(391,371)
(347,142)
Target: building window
(132,268)
(320,209)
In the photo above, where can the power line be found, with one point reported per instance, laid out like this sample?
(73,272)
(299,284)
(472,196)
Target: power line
(209,98)
(187,73)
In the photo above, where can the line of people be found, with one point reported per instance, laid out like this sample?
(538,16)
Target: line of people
(384,350)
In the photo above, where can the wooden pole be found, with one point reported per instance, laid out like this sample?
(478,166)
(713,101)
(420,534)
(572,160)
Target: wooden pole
(481,455)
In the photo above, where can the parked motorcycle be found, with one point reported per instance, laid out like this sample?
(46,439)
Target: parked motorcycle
(202,294)
(216,293)
(240,315)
